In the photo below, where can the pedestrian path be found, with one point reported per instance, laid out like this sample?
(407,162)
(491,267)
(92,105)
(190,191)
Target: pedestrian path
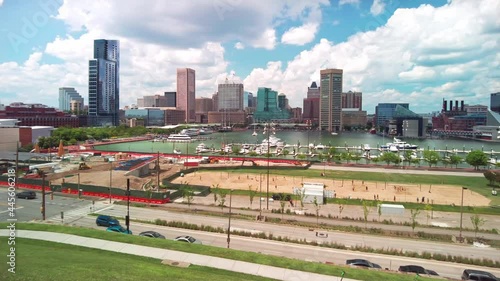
(201,260)
(73,215)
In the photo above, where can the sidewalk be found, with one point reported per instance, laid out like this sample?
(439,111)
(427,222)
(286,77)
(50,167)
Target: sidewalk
(201,260)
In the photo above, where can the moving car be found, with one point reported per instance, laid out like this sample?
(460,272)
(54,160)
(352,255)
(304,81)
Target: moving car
(188,239)
(478,275)
(118,228)
(103,220)
(152,234)
(362,263)
(26,195)
(417,269)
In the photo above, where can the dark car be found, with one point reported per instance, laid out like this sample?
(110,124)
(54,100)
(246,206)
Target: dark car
(103,220)
(478,275)
(417,269)
(362,263)
(152,234)
(119,229)
(26,195)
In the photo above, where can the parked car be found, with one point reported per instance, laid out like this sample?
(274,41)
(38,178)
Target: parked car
(26,195)
(478,275)
(103,220)
(152,234)
(362,263)
(417,269)
(281,197)
(187,239)
(118,228)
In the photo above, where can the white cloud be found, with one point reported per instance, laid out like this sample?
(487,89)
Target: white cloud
(1,2)
(267,40)
(336,22)
(419,57)
(239,46)
(377,7)
(349,2)
(300,35)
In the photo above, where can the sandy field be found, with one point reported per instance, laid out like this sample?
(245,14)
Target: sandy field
(437,194)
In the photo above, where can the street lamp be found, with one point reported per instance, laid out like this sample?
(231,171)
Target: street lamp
(127,218)
(229,224)
(268,128)
(110,179)
(461,213)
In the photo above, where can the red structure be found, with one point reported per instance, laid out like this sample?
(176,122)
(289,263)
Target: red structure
(38,115)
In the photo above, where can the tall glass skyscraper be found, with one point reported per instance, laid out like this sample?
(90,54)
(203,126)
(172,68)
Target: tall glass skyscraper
(267,107)
(330,103)
(104,84)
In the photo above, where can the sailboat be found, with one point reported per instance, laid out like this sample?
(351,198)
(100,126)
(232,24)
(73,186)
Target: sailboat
(254,132)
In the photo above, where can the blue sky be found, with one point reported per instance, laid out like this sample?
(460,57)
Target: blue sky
(413,51)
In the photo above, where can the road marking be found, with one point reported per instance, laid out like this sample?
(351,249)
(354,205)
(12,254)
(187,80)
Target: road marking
(109,207)
(11,210)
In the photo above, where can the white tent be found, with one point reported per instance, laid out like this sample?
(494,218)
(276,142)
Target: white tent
(313,190)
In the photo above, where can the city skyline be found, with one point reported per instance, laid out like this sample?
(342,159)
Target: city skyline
(392,51)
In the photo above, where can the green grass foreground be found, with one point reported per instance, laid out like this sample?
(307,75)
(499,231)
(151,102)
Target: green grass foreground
(334,270)
(44,260)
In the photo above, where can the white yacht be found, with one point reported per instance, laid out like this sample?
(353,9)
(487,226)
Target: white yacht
(366,147)
(190,132)
(202,148)
(179,137)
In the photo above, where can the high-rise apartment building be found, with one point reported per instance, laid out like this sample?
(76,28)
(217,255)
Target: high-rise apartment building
(230,96)
(186,93)
(330,114)
(352,100)
(66,95)
(104,84)
(495,102)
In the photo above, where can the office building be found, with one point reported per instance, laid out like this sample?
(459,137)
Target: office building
(248,100)
(352,100)
(495,102)
(66,95)
(204,105)
(267,107)
(230,96)
(152,101)
(38,115)
(171,99)
(186,93)
(330,114)
(313,91)
(384,113)
(104,84)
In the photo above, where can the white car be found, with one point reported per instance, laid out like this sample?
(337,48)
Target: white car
(187,239)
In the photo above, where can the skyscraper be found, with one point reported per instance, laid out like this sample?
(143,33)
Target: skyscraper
(186,93)
(352,100)
(104,84)
(330,104)
(495,102)
(230,96)
(66,95)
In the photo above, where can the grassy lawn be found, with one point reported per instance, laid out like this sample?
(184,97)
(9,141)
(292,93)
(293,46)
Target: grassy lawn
(43,260)
(476,184)
(335,270)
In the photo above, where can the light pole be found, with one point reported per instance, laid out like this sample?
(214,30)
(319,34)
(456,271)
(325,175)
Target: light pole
(43,195)
(110,178)
(127,218)
(260,197)
(229,224)
(461,214)
(268,127)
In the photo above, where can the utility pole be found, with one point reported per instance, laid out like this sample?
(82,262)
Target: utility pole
(158,170)
(127,218)
(260,196)
(461,213)
(229,225)
(110,179)
(43,195)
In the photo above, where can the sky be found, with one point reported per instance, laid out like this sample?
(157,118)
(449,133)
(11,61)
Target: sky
(409,51)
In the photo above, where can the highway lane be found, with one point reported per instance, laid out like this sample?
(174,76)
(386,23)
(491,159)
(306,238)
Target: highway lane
(28,210)
(290,250)
(348,239)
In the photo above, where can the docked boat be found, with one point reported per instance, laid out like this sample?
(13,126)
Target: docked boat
(272,141)
(190,132)
(205,131)
(179,137)
(177,151)
(402,145)
(202,148)
(366,147)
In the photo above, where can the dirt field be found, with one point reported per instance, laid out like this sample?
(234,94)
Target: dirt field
(439,194)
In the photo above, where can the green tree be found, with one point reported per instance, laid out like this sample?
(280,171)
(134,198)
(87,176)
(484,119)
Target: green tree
(215,191)
(476,158)
(490,176)
(415,161)
(413,218)
(222,197)
(407,156)
(428,209)
(236,149)
(355,157)
(282,208)
(366,211)
(389,157)
(187,194)
(317,206)
(455,160)
(252,194)
(431,157)
(477,222)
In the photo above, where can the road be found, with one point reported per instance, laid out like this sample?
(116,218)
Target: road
(290,250)
(28,210)
(381,169)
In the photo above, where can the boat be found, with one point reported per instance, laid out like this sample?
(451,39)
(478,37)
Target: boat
(202,148)
(254,133)
(176,151)
(320,146)
(366,147)
(190,132)
(179,137)
(402,145)
(225,129)
(334,133)
(205,131)
(272,141)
